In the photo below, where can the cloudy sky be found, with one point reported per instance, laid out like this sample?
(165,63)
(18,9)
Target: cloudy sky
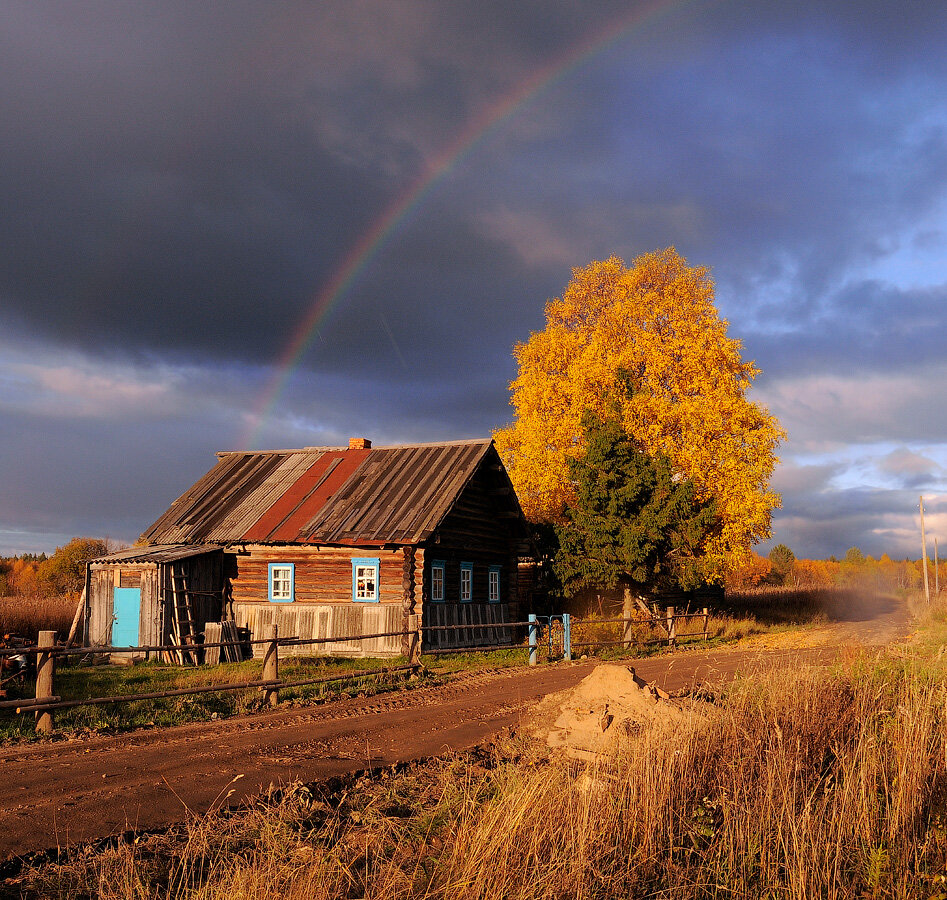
(280,224)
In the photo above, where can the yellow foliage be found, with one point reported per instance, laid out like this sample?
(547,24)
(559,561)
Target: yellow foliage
(653,326)
(816,572)
(752,573)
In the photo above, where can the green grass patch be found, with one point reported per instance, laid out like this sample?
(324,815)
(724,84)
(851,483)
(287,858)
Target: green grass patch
(83,682)
(471,660)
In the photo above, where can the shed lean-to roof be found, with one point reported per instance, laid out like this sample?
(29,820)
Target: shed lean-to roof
(332,495)
(156,553)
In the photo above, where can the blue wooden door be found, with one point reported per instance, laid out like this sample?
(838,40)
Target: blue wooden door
(126,611)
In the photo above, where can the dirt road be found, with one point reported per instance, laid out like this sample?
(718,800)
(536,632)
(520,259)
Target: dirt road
(66,792)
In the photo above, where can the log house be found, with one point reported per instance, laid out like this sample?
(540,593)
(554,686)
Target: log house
(333,541)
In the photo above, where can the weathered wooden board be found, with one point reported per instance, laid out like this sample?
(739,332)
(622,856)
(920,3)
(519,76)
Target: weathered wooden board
(314,621)
(466,614)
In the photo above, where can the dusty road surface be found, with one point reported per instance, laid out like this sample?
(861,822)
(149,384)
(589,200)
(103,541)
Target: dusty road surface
(65,792)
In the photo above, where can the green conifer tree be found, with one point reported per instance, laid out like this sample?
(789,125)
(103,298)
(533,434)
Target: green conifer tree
(634,522)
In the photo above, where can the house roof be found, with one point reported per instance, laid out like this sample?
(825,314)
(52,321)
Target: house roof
(157,553)
(332,495)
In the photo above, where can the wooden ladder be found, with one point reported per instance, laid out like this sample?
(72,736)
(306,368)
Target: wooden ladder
(182,619)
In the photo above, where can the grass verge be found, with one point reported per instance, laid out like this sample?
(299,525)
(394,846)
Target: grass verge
(80,682)
(799,784)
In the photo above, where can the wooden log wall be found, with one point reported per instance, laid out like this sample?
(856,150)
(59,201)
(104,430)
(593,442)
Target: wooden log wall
(485,528)
(480,520)
(480,584)
(322,574)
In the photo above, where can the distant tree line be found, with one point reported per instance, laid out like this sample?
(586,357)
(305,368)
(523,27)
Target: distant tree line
(31,575)
(781,567)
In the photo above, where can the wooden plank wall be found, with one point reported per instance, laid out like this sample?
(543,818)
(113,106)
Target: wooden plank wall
(316,620)
(102,584)
(323,574)
(466,614)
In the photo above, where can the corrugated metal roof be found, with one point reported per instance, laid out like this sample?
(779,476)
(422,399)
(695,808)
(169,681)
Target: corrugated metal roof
(331,495)
(157,553)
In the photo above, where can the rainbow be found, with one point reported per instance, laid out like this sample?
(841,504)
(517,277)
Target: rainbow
(475,132)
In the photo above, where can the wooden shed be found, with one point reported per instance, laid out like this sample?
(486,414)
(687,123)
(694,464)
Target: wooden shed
(154,595)
(338,541)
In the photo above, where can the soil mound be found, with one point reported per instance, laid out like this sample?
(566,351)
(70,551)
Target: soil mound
(610,703)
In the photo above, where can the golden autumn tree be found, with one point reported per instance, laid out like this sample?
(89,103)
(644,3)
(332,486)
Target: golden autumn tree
(649,338)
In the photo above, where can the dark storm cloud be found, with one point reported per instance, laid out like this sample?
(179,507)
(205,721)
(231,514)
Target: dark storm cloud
(822,523)
(181,181)
(205,173)
(864,328)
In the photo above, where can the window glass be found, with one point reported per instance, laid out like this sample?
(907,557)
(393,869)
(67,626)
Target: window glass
(365,580)
(494,584)
(281,582)
(466,582)
(437,582)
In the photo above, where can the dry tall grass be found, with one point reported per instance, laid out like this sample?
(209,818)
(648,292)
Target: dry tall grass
(800,784)
(29,614)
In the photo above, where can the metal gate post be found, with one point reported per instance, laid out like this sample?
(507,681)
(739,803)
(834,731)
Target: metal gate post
(533,638)
(566,637)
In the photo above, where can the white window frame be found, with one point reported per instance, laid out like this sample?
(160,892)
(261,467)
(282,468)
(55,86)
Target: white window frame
(359,565)
(466,582)
(281,581)
(493,584)
(438,567)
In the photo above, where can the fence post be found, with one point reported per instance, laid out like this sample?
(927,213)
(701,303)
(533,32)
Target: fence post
(566,636)
(45,664)
(626,611)
(533,638)
(271,666)
(706,623)
(672,630)
(414,640)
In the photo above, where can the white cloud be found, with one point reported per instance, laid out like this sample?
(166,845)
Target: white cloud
(825,411)
(82,388)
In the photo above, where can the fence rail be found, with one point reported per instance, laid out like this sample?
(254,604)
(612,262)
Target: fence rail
(63,650)
(470,627)
(58,703)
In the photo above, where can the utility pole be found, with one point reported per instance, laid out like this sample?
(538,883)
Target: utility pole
(927,587)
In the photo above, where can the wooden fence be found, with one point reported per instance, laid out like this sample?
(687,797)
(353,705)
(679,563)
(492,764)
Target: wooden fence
(664,626)
(46,650)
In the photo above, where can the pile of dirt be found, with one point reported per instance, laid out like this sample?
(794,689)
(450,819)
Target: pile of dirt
(610,703)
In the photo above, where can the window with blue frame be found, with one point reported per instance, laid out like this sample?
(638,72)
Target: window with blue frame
(438,570)
(466,582)
(493,585)
(365,580)
(282,582)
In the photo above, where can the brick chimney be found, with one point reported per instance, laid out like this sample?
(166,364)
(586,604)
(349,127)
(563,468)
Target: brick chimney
(360,444)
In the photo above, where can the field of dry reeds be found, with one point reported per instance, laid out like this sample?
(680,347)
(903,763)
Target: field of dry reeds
(28,614)
(800,784)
